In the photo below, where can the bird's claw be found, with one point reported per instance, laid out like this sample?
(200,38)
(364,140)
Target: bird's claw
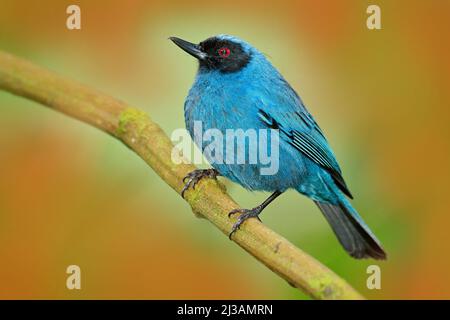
(245,214)
(195,176)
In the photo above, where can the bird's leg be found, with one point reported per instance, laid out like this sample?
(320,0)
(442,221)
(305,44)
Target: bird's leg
(250,213)
(195,176)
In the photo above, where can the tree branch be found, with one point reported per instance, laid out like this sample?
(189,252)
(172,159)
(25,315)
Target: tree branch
(209,200)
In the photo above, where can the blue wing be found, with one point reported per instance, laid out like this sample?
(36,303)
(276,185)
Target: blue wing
(288,114)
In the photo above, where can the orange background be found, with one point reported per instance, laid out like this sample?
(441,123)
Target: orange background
(70,194)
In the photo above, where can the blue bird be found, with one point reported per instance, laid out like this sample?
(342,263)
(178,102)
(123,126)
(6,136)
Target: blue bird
(236,87)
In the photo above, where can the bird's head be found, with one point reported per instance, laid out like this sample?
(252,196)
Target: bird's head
(223,53)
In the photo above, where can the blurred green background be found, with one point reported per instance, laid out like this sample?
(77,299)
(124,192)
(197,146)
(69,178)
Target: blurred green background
(70,194)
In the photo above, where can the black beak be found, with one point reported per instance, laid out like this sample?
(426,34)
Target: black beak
(190,48)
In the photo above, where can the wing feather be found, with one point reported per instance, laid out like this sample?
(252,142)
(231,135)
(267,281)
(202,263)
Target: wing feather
(305,135)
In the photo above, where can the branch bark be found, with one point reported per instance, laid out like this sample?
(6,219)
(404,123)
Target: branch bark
(209,200)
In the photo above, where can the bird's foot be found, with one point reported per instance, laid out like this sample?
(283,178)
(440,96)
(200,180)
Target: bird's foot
(195,176)
(245,214)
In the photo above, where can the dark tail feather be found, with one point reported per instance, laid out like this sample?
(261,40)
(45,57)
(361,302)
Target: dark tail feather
(351,231)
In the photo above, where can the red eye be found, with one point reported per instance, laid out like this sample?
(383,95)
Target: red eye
(224,52)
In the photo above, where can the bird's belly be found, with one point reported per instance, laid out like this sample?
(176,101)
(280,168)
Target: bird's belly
(287,168)
(253,156)
(286,172)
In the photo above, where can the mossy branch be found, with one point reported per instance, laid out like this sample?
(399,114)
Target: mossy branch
(209,200)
